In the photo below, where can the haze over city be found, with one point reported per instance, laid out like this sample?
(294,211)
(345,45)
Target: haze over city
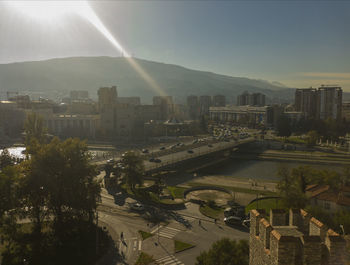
(174,132)
(299,44)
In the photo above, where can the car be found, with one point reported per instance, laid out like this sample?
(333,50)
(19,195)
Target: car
(233,220)
(190,151)
(137,207)
(145,151)
(151,159)
(173,147)
(228,212)
(246,222)
(210,145)
(195,141)
(157,160)
(110,161)
(162,148)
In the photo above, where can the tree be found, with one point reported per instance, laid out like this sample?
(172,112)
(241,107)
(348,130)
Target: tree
(133,169)
(5,159)
(292,186)
(225,252)
(312,137)
(36,132)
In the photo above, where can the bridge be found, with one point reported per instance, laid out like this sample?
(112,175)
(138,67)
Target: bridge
(175,159)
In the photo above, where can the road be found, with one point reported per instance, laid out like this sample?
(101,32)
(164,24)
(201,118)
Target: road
(119,218)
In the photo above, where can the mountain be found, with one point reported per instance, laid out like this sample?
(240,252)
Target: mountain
(54,79)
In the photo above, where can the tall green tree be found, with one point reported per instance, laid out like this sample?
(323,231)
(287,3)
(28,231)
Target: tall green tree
(225,252)
(133,169)
(5,159)
(292,186)
(35,131)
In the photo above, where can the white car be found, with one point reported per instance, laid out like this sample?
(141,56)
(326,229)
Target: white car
(137,207)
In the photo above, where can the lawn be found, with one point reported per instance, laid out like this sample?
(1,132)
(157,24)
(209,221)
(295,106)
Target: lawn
(176,192)
(144,259)
(265,204)
(181,246)
(214,212)
(235,189)
(144,234)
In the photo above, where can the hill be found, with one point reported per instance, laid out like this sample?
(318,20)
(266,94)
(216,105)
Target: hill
(54,78)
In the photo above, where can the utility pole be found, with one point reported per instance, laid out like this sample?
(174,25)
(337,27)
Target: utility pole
(96,232)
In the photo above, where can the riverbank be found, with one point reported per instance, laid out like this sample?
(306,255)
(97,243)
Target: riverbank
(315,157)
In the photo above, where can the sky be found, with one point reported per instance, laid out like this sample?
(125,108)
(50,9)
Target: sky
(296,43)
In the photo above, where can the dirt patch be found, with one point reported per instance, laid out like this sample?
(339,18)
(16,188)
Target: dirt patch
(219,197)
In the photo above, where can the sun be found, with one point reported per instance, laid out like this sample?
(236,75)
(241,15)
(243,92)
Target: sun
(49,10)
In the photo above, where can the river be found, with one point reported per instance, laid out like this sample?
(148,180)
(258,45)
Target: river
(259,169)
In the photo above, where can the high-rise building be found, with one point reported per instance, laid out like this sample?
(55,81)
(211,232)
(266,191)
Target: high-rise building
(255,99)
(205,103)
(166,106)
(219,101)
(306,102)
(107,99)
(324,103)
(329,99)
(193,107)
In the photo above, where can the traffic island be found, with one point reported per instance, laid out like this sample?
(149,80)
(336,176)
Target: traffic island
(180,246)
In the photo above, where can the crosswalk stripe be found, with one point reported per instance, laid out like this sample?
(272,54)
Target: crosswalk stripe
(155,230)
(165,235)
(140,245)
(169,260)
(171,228)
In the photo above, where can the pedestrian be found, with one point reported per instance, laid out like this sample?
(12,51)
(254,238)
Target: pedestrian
(215,220)
(122,235)
(199,222)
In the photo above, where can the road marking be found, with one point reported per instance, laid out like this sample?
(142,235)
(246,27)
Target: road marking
(154,230)
(140,245)
(169,260)
(168,232)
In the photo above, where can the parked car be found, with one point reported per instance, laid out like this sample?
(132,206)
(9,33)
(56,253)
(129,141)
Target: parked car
(162,148)
(210,145)
(246,222)
(190,151)
(145,151)
(233,220)
(151,159)
(137,207)
(229,212)
(157,160)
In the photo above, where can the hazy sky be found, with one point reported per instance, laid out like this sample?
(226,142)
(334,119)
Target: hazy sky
(298,43)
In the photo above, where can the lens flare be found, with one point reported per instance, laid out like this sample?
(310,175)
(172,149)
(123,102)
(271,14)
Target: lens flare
(54,10)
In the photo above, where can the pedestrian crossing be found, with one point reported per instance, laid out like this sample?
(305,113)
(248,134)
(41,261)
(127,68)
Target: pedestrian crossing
(129,244)
(169,260)
(166,231)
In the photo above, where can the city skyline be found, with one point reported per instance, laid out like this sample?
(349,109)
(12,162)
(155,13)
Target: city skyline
(297,44)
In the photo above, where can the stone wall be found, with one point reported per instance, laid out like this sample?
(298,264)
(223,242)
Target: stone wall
(315,245)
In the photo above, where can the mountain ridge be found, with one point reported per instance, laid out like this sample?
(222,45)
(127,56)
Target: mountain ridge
(55,77)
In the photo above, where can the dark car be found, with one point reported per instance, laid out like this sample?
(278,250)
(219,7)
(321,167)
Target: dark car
(151,159)
(233,220)
(210,145)
(162,148)
(190,151)
(145,151)
(157,160)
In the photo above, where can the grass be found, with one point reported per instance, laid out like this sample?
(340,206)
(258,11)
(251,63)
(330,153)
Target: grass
(265,204)
(235,189)
(176,192)
(145,235)
(144,259)
(212,212)
(181,246)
